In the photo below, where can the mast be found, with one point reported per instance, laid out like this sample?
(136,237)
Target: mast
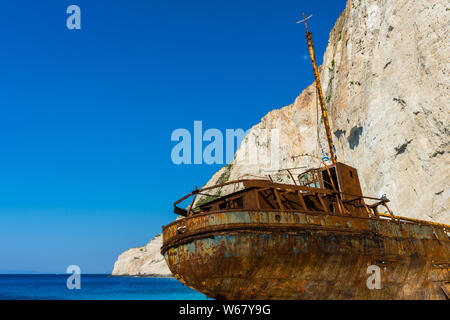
(319,89)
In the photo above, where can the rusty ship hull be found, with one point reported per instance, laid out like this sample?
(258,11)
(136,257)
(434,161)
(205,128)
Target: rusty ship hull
(313,239)
(297,255)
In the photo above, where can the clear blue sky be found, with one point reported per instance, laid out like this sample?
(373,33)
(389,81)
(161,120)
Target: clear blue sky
(86,116)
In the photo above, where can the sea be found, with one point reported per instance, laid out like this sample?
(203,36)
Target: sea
(93,287)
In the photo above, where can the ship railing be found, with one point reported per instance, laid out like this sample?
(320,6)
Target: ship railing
(412,220)
(259,185)
(301,191)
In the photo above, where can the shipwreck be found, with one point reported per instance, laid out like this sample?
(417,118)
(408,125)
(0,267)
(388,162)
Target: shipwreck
(314,238)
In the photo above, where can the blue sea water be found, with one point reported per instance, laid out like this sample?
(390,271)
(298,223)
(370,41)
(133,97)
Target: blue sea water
(93,287)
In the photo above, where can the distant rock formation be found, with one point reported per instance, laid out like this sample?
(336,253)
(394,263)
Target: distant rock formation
(143,261)
(385,77)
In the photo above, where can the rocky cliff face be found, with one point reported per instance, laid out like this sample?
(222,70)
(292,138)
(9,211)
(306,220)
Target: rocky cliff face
(143,261)
(385,76)
(386,80)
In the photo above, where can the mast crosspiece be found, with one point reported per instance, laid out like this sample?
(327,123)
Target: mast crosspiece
(319,88)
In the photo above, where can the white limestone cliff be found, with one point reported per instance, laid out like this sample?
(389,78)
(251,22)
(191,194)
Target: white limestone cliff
(143,261)
(386,77)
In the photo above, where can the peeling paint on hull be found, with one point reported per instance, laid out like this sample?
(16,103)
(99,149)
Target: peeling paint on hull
(295,255)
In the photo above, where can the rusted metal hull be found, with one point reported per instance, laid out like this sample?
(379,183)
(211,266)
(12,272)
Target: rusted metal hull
(293,255)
